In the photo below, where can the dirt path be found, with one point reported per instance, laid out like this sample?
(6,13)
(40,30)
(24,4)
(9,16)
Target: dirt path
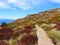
(43,39)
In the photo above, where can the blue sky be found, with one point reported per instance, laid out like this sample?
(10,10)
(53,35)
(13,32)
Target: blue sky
(14,9)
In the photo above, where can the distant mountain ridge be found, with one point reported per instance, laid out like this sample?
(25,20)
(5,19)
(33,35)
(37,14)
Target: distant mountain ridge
(6,20)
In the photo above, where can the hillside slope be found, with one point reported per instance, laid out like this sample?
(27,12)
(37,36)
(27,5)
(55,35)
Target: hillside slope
(45,16)
(24,32)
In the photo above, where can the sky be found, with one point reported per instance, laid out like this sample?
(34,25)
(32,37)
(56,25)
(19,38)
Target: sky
(14,9)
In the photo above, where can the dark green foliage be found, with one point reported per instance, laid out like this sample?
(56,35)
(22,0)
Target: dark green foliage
(3,24)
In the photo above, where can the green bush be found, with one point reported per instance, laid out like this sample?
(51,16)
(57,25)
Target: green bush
(13,26)
(58,18)
(55,34)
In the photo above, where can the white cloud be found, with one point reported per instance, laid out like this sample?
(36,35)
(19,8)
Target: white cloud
(55,1)
(11,1)
(36,2)
(23,4)
(3,5)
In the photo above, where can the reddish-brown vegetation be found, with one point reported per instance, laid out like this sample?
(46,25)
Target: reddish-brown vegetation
(18,32)
(3,42)
(28,39)
(57,26)
(28,29)
(6,33)
(54,40)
